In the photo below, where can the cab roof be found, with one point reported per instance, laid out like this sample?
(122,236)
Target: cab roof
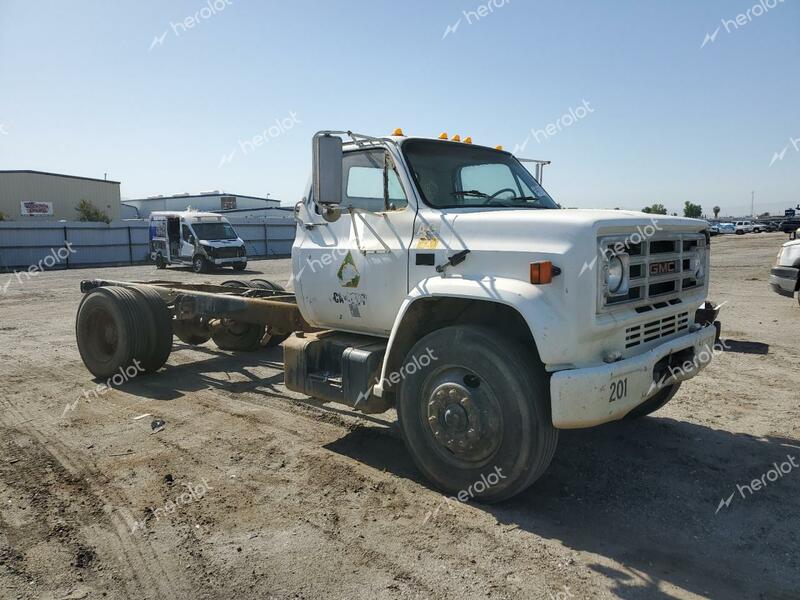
(187,214)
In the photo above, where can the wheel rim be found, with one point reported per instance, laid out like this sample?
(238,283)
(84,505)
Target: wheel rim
(102,335)
(462,416)
(198,265)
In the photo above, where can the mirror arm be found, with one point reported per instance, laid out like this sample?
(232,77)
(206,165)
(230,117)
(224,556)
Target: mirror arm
(386,160)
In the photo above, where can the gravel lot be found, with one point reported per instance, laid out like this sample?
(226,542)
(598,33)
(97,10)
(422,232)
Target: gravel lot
(261,493)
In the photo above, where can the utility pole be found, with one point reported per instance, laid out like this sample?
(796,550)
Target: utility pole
(753,204)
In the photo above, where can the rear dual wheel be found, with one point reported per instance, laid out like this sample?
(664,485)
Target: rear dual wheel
(119,329)
(238,336)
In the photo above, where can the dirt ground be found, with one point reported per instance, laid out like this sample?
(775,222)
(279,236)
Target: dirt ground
(251,491)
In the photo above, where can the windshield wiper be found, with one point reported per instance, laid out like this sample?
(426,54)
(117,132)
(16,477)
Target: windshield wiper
(470,193)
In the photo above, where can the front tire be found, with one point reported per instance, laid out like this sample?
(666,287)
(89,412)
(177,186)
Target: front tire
(239,266)
(655,403)
(161,263)
(476,417)
(199,264)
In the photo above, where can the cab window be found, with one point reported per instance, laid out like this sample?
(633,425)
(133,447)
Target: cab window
(185,232)
(362,180)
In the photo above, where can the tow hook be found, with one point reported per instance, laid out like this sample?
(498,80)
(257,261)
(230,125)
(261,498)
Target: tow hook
(707,315)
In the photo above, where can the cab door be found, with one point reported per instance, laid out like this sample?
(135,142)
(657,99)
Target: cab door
(187,242)
(352,274)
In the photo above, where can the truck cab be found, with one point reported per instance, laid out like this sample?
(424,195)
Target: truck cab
(535,318)
(201,240)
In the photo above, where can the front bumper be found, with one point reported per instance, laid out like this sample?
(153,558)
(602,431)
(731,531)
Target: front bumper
(229,261)
(595,395)
(784,280)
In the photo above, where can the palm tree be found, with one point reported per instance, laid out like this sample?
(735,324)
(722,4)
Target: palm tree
(716,211)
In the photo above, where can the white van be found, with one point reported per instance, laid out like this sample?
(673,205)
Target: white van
(199,239)
(743,227)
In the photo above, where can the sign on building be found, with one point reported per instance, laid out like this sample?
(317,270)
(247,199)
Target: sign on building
(33,209)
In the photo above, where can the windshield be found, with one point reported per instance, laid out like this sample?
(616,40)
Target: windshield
(214,231)
(454,175)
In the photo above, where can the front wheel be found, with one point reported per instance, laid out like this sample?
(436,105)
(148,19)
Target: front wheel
(199,264)
(239,266)
(160,262)
(653,404)
(475,413)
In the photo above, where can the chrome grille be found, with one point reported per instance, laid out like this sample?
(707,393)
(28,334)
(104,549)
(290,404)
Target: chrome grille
(226,252)
(655,330)
(661,268)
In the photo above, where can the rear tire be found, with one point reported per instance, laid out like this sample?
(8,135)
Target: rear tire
(235,335)
(655,403)
(239,266)
(109,331)
(193,333)
(238,336)
(479,408)
(161,342)
(273,339)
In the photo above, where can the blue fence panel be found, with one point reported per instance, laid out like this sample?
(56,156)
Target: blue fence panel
(121,242)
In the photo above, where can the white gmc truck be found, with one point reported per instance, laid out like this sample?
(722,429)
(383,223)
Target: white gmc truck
(437,277)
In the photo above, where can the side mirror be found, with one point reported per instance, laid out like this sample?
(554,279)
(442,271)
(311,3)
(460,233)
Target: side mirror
(327,169)
(191,239)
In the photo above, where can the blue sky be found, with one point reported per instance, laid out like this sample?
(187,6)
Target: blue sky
(86,88)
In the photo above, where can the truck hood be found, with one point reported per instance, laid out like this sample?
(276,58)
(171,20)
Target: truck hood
(792,243)
(530,229)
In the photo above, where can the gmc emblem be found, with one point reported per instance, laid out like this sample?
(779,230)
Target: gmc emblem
(663,268)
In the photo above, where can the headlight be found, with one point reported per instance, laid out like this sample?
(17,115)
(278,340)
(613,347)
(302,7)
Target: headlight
(700,267)
(616,274)
(617,277)
(700,270)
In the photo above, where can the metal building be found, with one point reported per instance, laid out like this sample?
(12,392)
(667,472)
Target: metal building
(212,201)
(42,196)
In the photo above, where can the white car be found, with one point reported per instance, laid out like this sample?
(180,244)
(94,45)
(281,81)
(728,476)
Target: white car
(784,277)
(743,227)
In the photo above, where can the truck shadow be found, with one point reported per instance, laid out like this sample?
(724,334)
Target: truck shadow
(229,372)
(650,495)
(658,506)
